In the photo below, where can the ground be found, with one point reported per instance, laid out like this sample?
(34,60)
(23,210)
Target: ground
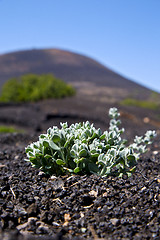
(33,205)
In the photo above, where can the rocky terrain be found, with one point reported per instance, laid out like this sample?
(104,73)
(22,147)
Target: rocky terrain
(36,206)
(33,205)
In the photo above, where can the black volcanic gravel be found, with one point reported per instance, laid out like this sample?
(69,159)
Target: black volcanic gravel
(36,206)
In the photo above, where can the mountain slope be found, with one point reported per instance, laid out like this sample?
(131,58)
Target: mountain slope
(98,89)
(83,72)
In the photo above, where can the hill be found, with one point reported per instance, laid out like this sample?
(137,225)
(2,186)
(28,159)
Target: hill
(86,74)
(98,89)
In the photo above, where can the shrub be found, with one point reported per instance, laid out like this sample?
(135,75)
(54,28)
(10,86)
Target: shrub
(83,149)
(8,129)
(31,87)
(139,103)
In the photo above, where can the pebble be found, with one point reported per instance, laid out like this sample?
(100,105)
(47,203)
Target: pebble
(114,221)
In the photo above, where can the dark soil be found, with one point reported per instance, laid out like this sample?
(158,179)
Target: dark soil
(36,206)
(76,207)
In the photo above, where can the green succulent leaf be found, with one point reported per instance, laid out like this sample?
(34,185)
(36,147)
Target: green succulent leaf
(54,146)
(60,162)
(131,158)
(45,143)
(42,136)
(29,149)
(76,170)
(56,138)
(83,153)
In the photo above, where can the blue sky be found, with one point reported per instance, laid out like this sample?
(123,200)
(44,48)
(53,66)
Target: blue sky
(121,34)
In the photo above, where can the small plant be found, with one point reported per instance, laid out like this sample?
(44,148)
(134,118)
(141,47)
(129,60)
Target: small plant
(153,105)
(83,149)
(32,87)
(8,129)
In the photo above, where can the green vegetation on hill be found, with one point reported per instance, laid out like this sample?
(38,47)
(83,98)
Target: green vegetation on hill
(31,88)
(139,103)
(8,129)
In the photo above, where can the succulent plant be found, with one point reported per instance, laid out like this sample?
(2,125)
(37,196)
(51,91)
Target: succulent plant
(83,149)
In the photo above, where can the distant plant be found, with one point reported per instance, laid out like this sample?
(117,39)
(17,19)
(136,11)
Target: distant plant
(140,103)
(83,149)
(8,129)
(155,96)
(31,87)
